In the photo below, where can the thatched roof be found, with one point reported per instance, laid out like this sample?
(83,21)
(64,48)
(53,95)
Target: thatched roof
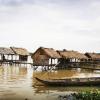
(20,51)
(49,52)
(6,51)
(71,54)
(93,55)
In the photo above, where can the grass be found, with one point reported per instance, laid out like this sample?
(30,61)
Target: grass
(86,95)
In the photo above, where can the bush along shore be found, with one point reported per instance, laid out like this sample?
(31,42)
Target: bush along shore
(87,95)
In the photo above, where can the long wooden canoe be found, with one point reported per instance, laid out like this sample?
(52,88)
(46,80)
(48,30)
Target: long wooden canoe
(95,81)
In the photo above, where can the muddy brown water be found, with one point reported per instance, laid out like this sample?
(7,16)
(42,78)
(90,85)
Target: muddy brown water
(18,83)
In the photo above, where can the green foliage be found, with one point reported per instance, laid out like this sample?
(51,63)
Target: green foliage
(88,95)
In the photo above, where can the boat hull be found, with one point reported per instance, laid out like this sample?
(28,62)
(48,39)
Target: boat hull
(66,82)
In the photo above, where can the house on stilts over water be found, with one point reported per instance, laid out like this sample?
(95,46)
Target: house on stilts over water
(93,57)
(20,54)
(71,58)
(45,57)
(6,54)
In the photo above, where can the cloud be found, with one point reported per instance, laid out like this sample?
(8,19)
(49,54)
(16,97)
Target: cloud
(15,2)
(50,23)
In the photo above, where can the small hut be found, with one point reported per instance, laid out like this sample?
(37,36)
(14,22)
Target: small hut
(6,54)
(21,54)
(45,56)
(71,56)
(93,56)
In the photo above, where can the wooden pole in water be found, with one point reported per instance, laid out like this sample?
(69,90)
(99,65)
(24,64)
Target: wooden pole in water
(51,61)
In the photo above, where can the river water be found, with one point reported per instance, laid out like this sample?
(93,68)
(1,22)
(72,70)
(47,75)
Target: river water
(18,83)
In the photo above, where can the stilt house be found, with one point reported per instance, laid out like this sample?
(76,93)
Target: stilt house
(6,54)
(21,54)
(71,56)
(45,56)
(93,57)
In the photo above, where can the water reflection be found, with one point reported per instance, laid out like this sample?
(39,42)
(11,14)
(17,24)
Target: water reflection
(44,89)
(40,89)
(11,74)
(69,73)
(13,82)
(18,83)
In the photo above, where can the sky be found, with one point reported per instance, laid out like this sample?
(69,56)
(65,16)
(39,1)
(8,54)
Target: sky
(58,24)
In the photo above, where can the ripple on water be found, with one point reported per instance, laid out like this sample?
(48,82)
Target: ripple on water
(9,94)
(16,83)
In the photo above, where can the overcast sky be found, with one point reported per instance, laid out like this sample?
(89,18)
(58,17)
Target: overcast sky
(58,24)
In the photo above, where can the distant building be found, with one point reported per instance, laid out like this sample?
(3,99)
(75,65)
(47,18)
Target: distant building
(71,56)
(93,56)
(6,54)
(20,54)
(45,56)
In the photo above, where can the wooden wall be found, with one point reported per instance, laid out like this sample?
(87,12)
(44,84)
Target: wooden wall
(40,58)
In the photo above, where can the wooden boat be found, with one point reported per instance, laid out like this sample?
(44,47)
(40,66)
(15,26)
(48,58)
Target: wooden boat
(95,81)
